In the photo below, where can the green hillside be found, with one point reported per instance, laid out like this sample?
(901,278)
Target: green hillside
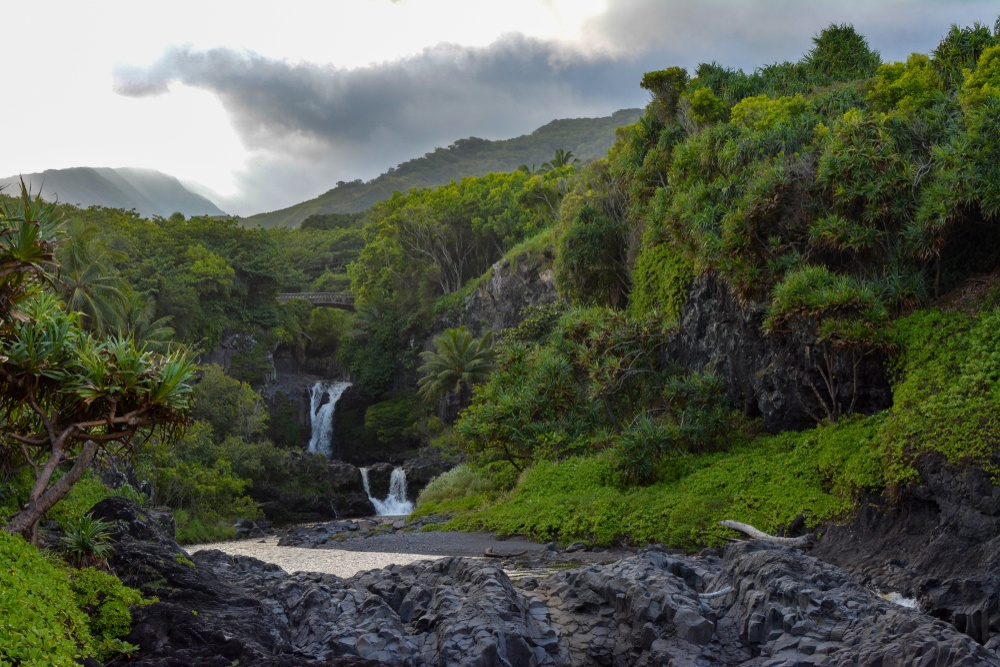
(587,138)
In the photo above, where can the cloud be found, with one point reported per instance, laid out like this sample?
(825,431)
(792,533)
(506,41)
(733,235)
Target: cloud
(448,90)
(751,33)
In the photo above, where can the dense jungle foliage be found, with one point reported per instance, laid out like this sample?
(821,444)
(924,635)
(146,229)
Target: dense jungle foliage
(844,194)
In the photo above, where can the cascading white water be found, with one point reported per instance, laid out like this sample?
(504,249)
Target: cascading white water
(395,504)
(321,414)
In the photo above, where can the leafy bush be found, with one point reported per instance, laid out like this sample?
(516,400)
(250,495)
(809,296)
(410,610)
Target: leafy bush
(661,278)
(461,488)
(638,449)
(945,400)
(766,483)
(42,624)
(106,601)
(85,494)
(591,259)
(231,406)
(198,475)
(394,420)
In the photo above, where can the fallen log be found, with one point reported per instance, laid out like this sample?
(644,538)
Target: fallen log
(753,533)
(489,553)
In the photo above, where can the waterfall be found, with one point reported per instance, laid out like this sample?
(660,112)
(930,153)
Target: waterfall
(321,414)
(395,504)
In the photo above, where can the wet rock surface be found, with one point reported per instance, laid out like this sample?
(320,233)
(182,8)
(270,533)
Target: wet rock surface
(758,605)
(342,493)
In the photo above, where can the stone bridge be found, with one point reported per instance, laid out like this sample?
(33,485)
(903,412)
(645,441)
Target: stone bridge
(342,300)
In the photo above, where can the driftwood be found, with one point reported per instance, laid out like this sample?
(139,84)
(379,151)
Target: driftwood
(755,534)
(717,594)
(489,553)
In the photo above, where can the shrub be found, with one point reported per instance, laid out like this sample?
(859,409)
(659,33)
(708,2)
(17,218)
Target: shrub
(42,625)
(461,488)
(639,448)
(106,601)
(85,494)
(945,399)
(591,259)
(767,483)
(661,276)
(394,420)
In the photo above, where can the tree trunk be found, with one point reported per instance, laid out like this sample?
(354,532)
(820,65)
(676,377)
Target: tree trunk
(26,521)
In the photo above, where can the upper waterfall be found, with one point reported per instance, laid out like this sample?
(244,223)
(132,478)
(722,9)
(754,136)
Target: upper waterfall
(322,406)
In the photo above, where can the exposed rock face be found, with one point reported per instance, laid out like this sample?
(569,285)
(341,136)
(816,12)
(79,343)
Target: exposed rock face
(379,476)
(761,604)
(343,494)
(421,469)
(940,543)
(514,286)
(294,389)
(785,379)
(782,608)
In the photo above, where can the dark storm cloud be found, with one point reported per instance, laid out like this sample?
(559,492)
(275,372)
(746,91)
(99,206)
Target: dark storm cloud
(751,33)
(447,91)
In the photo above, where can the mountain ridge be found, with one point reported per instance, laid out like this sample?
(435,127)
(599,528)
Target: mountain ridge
(148,191)
(587,138)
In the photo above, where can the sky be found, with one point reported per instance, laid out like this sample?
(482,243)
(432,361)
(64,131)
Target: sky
(261,105)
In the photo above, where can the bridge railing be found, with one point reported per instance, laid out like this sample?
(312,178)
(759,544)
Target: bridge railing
(343,299)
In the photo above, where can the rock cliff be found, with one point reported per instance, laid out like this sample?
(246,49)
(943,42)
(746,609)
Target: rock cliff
(787,379)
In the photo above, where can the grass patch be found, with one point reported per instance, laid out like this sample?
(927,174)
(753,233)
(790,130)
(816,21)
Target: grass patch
(767,483)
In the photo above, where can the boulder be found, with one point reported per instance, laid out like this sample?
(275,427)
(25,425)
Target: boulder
(201,618)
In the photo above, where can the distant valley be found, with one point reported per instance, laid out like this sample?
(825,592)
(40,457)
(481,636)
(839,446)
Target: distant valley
(148,191)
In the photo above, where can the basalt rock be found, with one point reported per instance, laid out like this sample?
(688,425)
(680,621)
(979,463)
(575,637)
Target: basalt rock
(760,604)
(788,379)
(201,618)
(514,286)
(379,476)
(939,543)
(421,469)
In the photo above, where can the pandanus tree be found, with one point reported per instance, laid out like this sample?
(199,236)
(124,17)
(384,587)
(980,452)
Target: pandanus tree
(66,394)
(457,362)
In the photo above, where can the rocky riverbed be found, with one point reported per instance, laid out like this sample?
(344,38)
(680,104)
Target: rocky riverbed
(753,604)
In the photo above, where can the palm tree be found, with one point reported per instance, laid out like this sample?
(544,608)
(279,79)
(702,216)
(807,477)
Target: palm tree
(458,361)
(139,322)
(560,159)
(88,283)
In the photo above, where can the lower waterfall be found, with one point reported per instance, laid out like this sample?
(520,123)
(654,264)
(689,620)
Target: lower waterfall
(321,413)
(395,504)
